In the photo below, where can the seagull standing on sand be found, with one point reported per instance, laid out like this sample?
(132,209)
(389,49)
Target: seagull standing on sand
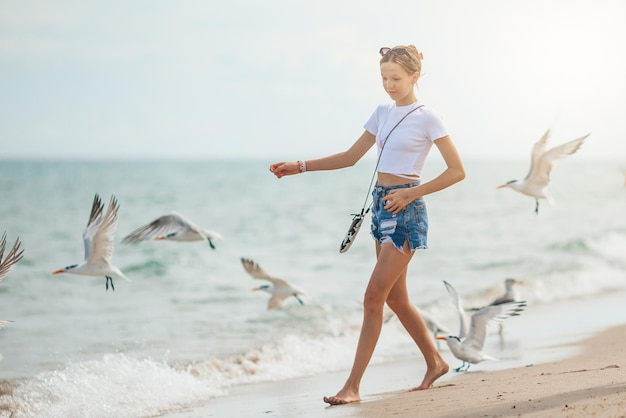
(98,239)
(537,181)
(280,289)
(6,264)
(511,293)
(470,349)
(173,227)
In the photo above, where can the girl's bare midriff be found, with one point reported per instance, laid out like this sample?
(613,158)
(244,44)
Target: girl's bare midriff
(386,179)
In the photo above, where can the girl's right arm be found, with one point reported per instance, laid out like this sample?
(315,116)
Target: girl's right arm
(332,162)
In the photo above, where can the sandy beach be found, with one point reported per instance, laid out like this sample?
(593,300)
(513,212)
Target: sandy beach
(577,373)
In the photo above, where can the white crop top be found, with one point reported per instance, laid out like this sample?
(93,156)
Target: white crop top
(408,145)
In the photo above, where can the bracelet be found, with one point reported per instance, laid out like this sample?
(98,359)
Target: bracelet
(302,165)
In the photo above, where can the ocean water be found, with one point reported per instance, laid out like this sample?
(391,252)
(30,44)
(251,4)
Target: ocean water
(187,328)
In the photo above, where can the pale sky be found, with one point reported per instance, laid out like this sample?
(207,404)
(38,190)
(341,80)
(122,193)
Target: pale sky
(279,79)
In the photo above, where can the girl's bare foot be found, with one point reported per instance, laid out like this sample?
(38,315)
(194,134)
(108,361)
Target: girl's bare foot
(431,376)
(342,398)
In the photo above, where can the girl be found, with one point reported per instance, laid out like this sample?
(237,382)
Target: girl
(399,220)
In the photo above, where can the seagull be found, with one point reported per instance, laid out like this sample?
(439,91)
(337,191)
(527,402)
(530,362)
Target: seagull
(470,349)
(537,181)
(173,227)
(98,239)
(6,264)
(280,291)
(14,255)
(511,293)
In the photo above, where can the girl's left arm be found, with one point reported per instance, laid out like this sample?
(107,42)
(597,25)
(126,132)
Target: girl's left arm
(398,199)
(453,173)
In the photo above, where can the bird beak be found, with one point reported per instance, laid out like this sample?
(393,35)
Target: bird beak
(159,238)
(255,288)
(59,271)
(501,186)
(440,338)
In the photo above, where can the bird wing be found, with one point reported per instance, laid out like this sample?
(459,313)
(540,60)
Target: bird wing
(276,301)
(540,172)
(102,240)
(95,219)
(503,299)
(173,222)
(463,319)
(491,313)
(14,255)
(254,270)
(538,150)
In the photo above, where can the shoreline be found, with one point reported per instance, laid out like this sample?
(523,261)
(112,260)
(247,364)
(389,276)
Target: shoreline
(570,367)
(590,383)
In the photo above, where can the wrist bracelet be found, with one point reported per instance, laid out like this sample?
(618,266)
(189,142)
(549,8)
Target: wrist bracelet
(302,165)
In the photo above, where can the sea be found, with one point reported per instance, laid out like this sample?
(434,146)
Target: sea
(187,328)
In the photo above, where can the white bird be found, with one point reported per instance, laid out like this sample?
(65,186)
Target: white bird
(15,254)
(537,181)
(511,292)
(98,239)
(470,349)
(173,227)
(280,289)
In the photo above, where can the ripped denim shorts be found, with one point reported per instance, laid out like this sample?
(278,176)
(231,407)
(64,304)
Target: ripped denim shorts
(411,224)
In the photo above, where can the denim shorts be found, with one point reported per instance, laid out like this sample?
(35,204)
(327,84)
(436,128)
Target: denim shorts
(411,224)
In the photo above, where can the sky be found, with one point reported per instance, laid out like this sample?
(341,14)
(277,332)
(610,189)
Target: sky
(289,79)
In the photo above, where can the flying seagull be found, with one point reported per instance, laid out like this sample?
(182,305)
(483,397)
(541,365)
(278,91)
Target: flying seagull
(172,227)
(470,349)
(537,181)
(280,289)
(98,239)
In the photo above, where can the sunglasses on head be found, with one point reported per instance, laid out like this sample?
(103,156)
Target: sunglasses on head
(385,50)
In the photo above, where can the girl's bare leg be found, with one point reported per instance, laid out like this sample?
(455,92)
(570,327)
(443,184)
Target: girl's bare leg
(390,264)
(407,313)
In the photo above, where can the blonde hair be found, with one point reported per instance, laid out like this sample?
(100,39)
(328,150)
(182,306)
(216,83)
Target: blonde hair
(407,56)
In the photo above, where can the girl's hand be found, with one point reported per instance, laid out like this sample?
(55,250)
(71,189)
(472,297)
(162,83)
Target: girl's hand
(397,199)
(284,169)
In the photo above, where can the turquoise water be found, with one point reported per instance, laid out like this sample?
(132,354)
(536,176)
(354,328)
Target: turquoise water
(187,327)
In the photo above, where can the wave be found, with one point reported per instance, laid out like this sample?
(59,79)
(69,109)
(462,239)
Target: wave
(122,386)
(116,385)
(575,268)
